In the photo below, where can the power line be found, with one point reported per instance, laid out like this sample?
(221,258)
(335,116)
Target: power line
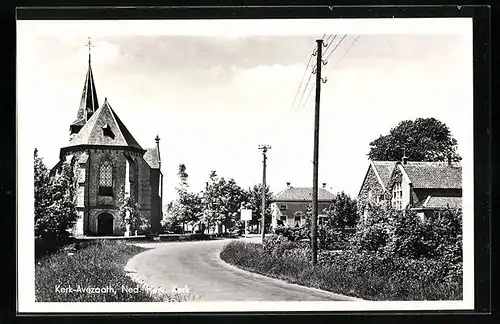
(347,51)
(307,98)
(303,76)
(326,58)
(303,92)
(330,42)
(301,81)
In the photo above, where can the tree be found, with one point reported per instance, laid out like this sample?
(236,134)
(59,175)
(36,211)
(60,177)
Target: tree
(186,208)
(222,201)
(131,217)
(42,189)
(55,204)
(342,212)
(254,195)
(424,139)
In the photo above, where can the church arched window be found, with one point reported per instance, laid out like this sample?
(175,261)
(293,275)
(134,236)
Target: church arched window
(106,178)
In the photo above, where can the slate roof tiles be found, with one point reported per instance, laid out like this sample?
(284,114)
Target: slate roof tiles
(302,194)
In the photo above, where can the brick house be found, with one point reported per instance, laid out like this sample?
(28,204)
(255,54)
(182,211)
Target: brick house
(374,188)
(288,202)
(420,186)
(426,186)
(110,165)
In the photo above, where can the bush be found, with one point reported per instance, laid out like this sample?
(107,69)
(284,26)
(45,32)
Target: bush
(404,234)
(373,276)
(391,256)
(294,234)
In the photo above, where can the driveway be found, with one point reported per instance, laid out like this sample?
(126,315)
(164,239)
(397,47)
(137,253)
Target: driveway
(197,265)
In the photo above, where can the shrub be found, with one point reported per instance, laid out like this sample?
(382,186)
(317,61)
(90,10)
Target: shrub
(373,234)
(294,234)
(404,234)
(373,276)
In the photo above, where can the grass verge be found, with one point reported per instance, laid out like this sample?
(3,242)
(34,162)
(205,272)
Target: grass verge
(94,273)
(364,277)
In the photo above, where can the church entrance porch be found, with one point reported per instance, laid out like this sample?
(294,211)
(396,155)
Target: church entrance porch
(105,224)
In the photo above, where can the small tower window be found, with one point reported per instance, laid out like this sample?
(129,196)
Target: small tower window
(106,131)
(106,179)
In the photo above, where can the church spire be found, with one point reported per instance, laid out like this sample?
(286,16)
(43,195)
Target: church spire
(88,103)
(89,45)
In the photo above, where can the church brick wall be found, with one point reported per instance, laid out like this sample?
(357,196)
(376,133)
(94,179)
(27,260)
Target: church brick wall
(88,201)
(144,183)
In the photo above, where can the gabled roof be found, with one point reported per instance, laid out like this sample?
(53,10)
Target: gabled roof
(383,170)
(104,128)
(434,175)
(152,158)
(434,202)
(88,102)
(302,194)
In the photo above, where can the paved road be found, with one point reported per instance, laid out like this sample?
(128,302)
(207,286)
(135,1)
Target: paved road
(198,266)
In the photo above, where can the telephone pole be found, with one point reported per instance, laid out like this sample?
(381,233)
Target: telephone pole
(264,149)
(314,226)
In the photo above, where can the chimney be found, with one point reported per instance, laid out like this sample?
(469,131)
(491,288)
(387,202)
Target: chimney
(324,185)
(288,185)
(404,159)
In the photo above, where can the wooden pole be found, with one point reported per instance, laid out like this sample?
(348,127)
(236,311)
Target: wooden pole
(314,225)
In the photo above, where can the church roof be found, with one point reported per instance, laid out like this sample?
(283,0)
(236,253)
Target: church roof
(104,128)
(152,158)
(88,102)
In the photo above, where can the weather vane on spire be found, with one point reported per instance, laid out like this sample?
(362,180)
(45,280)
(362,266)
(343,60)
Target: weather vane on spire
(89,44)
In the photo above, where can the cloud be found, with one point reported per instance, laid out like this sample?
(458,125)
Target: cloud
(212,100)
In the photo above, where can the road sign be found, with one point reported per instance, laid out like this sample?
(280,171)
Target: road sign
(246,214)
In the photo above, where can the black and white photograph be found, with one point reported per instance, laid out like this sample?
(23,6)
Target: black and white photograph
(245,165)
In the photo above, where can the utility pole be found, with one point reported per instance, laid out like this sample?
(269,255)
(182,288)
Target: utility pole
(264,149)
(314,226)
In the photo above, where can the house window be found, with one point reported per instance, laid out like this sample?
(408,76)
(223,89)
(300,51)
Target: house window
(397,196)
(282,207)
(297,221)
(106,179)
(282,220)
(365,214)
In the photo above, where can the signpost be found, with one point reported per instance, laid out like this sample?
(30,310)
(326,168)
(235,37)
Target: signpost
(246,215)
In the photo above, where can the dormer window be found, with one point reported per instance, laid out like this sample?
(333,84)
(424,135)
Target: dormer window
(106,131)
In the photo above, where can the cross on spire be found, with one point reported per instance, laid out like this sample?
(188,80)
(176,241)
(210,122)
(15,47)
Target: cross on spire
(89,45)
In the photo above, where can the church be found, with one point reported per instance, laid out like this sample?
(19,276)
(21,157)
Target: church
(110,165)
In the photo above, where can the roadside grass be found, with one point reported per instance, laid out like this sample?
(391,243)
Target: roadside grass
(365,277)
(94,273)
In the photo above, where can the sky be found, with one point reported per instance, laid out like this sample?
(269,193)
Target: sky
(214,95)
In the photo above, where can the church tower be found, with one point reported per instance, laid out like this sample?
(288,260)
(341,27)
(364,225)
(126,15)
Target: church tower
(110,166)
(88,103)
